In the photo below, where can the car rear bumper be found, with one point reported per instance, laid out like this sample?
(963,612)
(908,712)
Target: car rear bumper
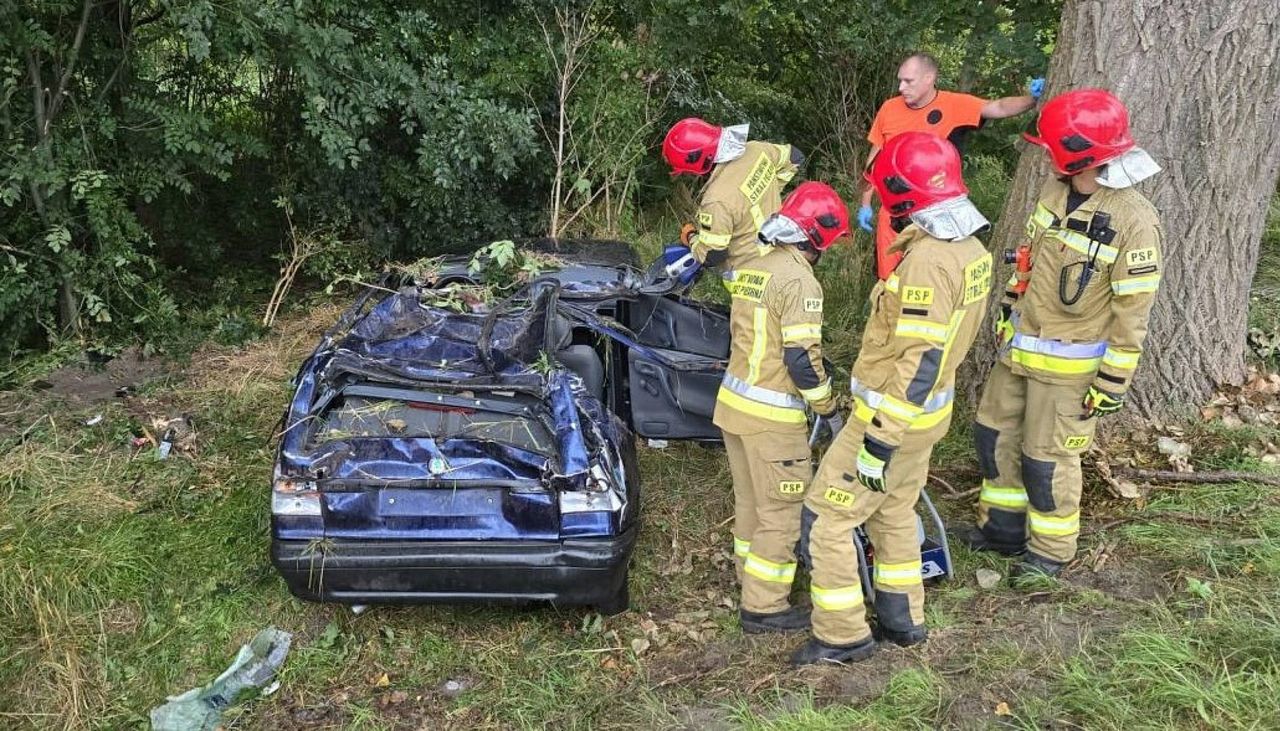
(572,571)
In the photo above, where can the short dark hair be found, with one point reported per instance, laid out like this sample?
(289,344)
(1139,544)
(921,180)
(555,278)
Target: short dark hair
(927,59)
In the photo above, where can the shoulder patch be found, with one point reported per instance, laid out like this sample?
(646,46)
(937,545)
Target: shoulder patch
(705,219)
(812,304)
(977,280)
(759,178)
(917,295)
(1139,257)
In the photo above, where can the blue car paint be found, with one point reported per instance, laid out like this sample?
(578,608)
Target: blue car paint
(403,340)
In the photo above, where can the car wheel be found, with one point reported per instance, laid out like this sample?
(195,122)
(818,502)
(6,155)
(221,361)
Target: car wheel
(619,602)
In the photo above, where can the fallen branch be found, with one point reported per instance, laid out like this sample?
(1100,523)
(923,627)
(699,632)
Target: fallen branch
(1207,478)
(944,483)
(965,494)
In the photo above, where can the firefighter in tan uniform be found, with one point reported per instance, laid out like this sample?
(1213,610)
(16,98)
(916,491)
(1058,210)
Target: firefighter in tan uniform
(775,370)
(1071,327)
(924,319)
(745,188)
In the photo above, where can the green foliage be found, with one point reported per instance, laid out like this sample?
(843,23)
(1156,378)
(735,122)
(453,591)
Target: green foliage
(140,163)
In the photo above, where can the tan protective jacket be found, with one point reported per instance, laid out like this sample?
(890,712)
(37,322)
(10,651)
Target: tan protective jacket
(1098,336)
(737,199)
(775,360)
(924,318)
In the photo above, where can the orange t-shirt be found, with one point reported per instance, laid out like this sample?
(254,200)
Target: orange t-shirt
(948,112)
(950,115)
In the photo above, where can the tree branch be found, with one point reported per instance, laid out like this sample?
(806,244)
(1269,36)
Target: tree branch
(56,104)
(1204,478)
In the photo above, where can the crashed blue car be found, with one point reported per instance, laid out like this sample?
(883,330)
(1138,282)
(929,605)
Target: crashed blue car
(436,455)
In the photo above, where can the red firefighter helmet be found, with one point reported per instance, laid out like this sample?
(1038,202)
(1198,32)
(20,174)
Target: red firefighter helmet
(690,146)
(1083,129)
(915,170)
(817,210)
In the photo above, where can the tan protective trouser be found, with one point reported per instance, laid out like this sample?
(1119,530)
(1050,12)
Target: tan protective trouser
(771,471)
(840,504)
(1029,437)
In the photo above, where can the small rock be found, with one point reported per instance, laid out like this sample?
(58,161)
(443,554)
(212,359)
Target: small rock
(452,688)
(987,579)
(1173,447)
(639,645)
(1248,414)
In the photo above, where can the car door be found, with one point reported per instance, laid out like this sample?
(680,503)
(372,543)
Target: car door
(674,371)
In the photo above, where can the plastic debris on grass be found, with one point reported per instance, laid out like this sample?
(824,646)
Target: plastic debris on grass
(200,709)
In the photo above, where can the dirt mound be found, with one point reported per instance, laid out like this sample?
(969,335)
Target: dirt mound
(85,384)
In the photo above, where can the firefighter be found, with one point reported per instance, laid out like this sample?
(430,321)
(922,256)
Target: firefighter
(923,320)
(745,188)
(776,370)
(1071,327)
(922,106)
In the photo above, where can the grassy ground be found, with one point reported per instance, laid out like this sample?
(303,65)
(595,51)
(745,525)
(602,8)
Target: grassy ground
(124,578)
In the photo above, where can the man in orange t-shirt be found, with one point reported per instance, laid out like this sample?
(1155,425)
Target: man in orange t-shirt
(921,106)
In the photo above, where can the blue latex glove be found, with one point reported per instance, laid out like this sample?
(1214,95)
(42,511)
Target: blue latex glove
(1036,87)
(680,263)
(865,215)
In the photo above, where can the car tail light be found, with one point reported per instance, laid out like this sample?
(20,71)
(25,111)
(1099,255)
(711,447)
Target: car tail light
(294,497)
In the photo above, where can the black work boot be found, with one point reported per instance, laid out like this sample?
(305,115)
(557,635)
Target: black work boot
(901,638)
(794,619)
(1033,565)
(978,541)
(817,651)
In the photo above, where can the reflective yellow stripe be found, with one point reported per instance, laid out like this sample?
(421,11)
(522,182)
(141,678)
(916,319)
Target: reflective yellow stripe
(740,547)
(891,283)
(764,411)
(1041,217)
(953,329)
(1048,525)
(803,331)
(760,334)
(1121,359)
(927,420)
(833,600)
(818,392)
(899,409)
(899,574)
(1080,243)
(1136,285)
(930,420)
(785,170)
(1055,364)
(714,241)
(781,573)
(757,216)
(1004,497)
(931,331)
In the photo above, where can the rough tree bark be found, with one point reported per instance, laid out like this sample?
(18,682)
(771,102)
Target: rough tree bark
(1201,79)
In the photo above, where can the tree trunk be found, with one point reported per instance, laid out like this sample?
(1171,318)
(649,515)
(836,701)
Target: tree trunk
(1201,79)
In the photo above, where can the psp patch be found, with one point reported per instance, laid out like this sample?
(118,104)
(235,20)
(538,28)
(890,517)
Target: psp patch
(791,487)
(1139,257)
(705,219)
(813,305)
(1075,442)
(917,295)
(836,496)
